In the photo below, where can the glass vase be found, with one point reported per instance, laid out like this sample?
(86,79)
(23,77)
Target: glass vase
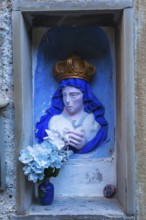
(46,193)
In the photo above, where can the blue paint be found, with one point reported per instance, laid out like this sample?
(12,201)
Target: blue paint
(46,193)
(92,44)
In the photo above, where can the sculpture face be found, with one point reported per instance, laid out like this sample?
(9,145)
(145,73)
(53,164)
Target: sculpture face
(73,100)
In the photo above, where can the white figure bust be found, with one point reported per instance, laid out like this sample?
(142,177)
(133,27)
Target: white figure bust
(75,110)
(80,126)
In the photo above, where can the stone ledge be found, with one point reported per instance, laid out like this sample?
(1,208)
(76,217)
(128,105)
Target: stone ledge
(69,217)
(76,209)
(44,5)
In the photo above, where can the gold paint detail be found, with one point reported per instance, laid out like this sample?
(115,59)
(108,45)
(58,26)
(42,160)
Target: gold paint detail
(73,67)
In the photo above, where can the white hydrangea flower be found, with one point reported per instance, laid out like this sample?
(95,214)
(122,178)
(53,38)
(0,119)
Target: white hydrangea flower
(56,138)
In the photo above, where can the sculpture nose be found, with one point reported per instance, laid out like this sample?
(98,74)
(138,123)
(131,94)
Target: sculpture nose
(67,99)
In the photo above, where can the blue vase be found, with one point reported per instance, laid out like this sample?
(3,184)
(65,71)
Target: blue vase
(46,193)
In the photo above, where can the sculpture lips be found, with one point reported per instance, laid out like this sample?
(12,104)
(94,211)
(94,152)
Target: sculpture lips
(69,107)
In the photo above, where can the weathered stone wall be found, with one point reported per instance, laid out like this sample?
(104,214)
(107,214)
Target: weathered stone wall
(140,92)
(7,198)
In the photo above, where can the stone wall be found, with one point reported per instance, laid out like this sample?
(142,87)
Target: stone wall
(140,93)
(8,197)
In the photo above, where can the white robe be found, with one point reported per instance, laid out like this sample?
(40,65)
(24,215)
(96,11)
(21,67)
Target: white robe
(64,123)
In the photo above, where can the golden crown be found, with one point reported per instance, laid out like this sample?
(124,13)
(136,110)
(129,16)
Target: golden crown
(73,67)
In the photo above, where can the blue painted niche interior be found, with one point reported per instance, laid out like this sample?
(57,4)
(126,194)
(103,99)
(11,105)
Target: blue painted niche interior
(92,44)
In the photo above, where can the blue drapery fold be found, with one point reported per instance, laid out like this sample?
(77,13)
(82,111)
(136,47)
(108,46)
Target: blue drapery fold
(91,104)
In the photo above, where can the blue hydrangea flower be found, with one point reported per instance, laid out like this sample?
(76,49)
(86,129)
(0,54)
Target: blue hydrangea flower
(40,157)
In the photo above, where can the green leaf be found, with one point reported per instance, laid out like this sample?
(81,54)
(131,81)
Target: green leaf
(56,172)
(48,172)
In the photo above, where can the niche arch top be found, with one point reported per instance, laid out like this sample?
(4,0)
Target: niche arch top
(118,14)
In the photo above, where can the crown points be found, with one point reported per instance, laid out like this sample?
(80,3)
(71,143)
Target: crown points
(73,67)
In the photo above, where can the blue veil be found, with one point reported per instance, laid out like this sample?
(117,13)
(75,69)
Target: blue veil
(91,104)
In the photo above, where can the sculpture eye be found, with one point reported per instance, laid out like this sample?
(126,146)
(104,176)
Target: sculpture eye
(74,94)
(64,94)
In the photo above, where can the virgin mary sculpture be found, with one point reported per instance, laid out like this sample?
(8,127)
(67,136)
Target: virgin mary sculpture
(75,110)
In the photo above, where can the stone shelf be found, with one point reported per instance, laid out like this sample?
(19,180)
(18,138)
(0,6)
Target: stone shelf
(77,208)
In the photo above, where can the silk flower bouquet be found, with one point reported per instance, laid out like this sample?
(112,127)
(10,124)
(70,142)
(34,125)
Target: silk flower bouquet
(43,161)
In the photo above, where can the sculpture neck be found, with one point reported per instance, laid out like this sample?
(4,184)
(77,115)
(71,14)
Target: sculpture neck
(75,115)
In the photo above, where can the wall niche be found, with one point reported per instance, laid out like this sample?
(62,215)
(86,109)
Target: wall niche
(29,26)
